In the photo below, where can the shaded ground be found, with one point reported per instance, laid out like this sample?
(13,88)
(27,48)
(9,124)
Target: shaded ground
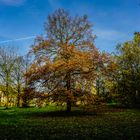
(48,123)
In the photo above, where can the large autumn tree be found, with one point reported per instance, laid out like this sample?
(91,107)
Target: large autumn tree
(66,61)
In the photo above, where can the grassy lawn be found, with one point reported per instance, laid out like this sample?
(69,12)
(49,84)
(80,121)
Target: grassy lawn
(46,123)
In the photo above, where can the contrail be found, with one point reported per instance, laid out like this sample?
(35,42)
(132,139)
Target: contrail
(18,39)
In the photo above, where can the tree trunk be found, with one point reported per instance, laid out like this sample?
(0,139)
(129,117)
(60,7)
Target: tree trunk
(68,85)
(25,100)
(18,97)
(7,101)
(68,106)
(0,99)
(18,100)
(7,95)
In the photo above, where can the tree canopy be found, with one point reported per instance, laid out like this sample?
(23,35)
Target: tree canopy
(66,61)
(128,71)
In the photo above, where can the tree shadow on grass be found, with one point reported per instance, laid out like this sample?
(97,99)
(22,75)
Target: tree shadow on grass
(62,114)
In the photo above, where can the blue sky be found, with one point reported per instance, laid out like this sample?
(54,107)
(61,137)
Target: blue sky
(114,21)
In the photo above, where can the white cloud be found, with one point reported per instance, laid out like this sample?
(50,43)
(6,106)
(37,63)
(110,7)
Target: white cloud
(12,2)
(18,39)
(110,35)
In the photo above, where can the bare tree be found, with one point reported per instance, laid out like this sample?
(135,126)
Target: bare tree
(18,78)
(26,96)
(7,61)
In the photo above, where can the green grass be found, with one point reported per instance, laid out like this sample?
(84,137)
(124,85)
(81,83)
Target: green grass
(48,123)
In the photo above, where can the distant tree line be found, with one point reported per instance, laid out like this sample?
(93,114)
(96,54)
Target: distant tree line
(65,67)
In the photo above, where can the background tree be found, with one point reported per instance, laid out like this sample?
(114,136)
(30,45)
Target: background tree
(128,72)
(12,76)
(106,69)
(18,77)
(66,60)
(26,95)
(7,61)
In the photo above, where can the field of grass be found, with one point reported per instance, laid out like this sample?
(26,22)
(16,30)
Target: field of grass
(46,123)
